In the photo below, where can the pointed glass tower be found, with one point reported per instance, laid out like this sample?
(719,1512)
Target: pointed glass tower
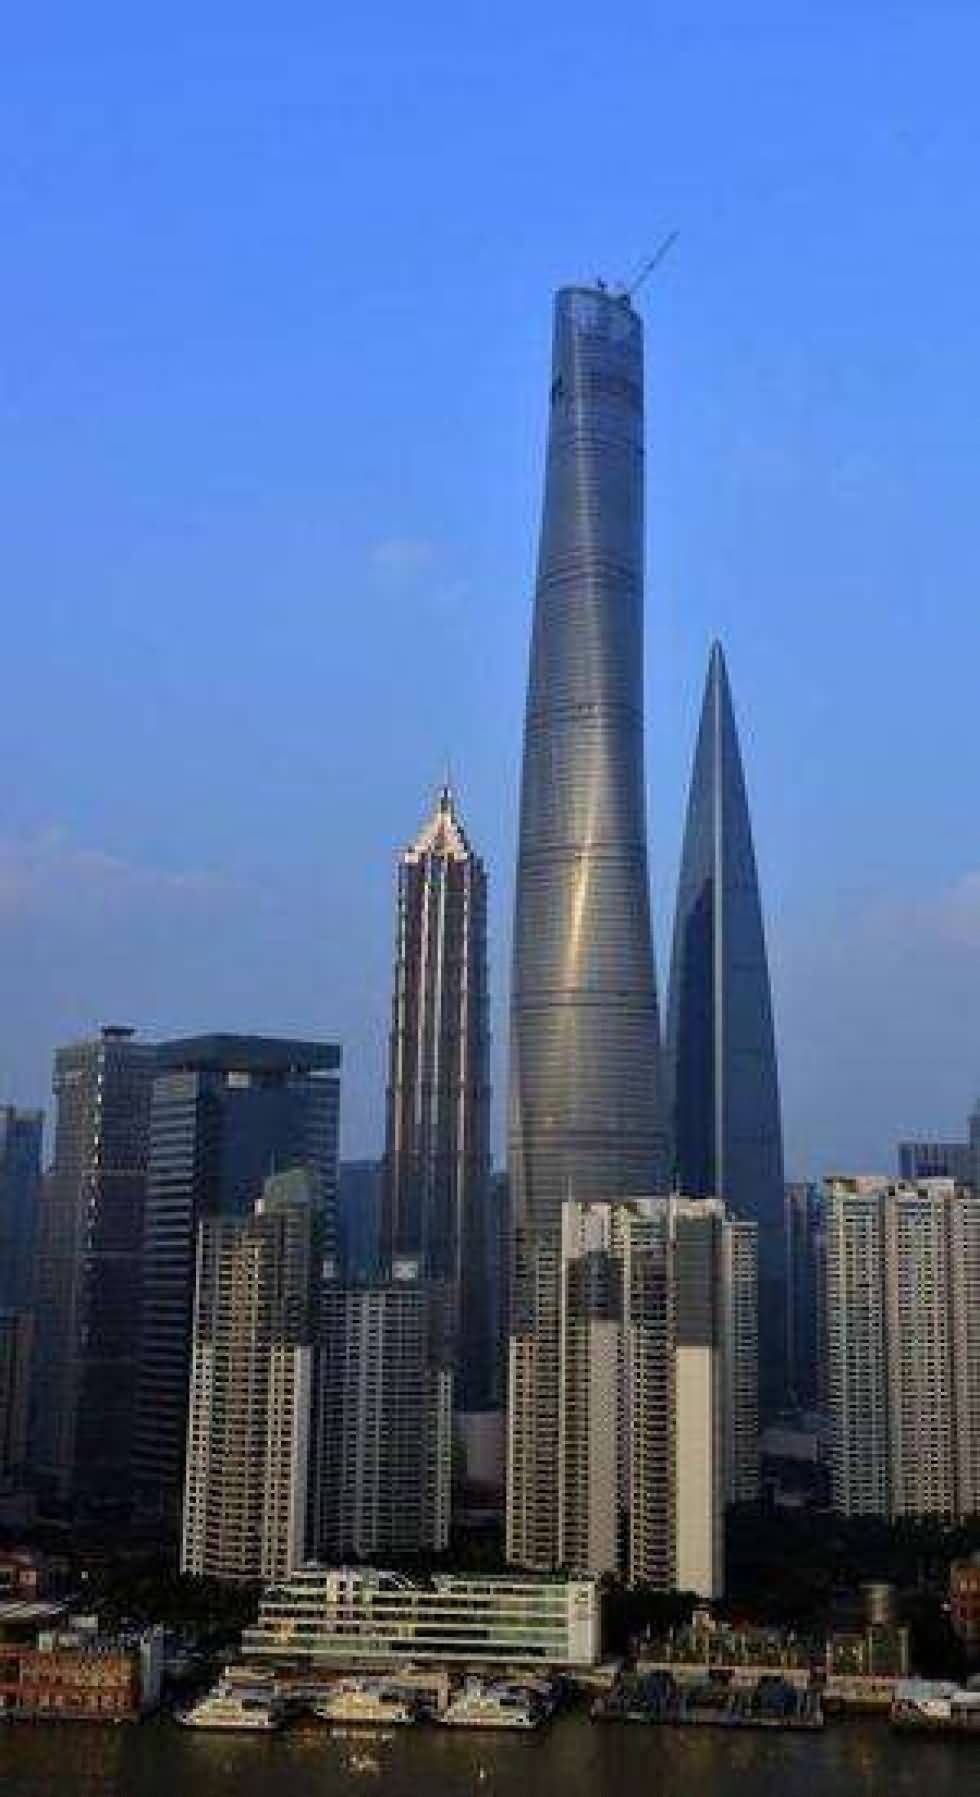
(721,1050)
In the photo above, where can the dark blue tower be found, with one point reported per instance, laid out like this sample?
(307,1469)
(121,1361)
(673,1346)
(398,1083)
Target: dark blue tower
(721,1050)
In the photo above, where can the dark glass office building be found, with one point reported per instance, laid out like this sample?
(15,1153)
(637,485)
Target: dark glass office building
(586,1112)
(89,1241)
(226,1112)
(721,1051)
(20,1179)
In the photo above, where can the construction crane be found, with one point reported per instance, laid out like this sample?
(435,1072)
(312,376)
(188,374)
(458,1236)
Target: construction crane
(663,249)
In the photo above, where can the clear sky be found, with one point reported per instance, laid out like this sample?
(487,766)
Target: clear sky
(274,343)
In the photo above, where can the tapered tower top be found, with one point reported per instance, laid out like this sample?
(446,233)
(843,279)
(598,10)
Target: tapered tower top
(444,833)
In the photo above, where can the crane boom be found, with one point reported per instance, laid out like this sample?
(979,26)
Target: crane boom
(663,249)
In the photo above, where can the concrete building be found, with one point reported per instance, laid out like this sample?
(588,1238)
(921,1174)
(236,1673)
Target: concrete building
(935,1159)
(587,1114)
(16,1337)
(805,1242)
(20,1180)
(249,1444)
(657,1387)
(359,1618)
(386,1391)
(437,1146)
(740,1342)
(89,1248)
(225,1112)
(903,1293)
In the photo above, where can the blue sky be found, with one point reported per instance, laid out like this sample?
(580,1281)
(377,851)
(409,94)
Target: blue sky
(274,341)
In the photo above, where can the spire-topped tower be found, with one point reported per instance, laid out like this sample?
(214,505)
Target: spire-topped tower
(721,1050)
(437,1150)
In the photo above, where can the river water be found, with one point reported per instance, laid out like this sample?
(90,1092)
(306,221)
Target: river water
(572,1758)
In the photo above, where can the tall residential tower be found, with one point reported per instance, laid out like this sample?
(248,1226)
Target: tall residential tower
(225,1112)
(586,1115)
(721,1050)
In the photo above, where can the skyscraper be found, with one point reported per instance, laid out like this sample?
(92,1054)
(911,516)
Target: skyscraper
(20,1179)
(16,1331)
(437,1150)
(249,1446)
(657,1384)
(721,1051)
(586,1115)
(933,1159)
(359,1185)
(903,1328)
(386,1419)
(225,1112)
(806,1273)
(89,1243)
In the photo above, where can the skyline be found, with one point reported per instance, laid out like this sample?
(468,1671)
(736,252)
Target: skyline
(262,478)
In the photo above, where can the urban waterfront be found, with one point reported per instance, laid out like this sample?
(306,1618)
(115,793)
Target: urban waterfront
(573,1758)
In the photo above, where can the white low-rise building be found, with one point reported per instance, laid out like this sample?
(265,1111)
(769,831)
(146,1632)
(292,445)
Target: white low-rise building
(351,1617)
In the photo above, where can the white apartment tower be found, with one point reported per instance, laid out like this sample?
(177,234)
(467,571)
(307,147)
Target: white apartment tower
(249,1458)
(654,1353)
(386,1419)
(903,1326)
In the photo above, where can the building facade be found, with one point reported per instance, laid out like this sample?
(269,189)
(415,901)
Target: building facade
(20,1180)
(932,1159)
(721,1051)
(806,1280)
(386,1395)
(437,1147)
(657,1388)
(225,1112)
(353,1618)
(16,1337)
(89,1249)
(903,1296)
(359,1189)
(250,1450)
(587,1118)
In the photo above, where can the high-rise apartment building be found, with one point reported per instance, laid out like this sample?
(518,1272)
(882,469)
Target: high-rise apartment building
(806,1280)
(250,1450)
(740,1339)
(586,1113)
(903,1299)
(20,1179)
(932,1159)
(657,1387)
(88,1258)
(721,1052)
(16,1333)
(225,1112)
(437,1149)
(386,1399)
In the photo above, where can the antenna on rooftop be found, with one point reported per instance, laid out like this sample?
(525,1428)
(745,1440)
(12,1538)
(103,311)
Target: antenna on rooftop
(663,249)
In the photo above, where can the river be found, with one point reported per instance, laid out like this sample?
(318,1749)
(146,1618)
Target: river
(572,1758)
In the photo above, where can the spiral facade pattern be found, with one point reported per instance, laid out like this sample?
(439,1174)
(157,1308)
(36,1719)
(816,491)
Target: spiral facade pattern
(586,1114)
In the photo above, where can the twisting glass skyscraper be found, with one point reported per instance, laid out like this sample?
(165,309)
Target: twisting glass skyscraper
(586,1118)
(721,1050)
